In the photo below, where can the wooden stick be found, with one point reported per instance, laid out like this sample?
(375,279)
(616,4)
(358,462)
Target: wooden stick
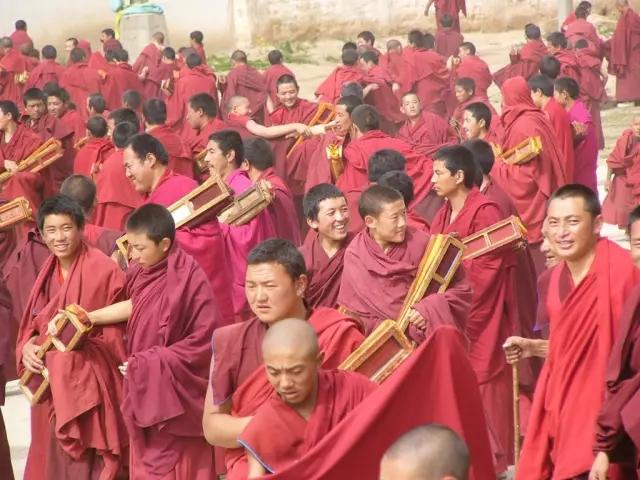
(516,415)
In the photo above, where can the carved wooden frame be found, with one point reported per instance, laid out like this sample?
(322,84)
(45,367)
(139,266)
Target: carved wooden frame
(248,205)
(72,320)
(523,152)
(14,212)
(34,397)
(506,232)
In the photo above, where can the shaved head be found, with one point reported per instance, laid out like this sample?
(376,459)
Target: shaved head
(292,336)
(427,452)
(393,44)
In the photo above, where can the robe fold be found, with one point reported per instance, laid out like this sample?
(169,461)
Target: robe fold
(278,436)
(77,429)
(474,67)
(271,76)
(12,64)
(580,29)
(190,82)
(74,122)
(624,192)
(329,90)
(584,321)
(180,157)
(123,78)
(430,79)
(47,71)
(624,61)
(561,124)
(399,68)
(314,152)
(448,41)
(20,38)
(203,242)
(246,81)
(94,152)
(592,87)
(586,148)
(104,239)
(325,274)
(81,80)
(375,284)
(428,134)
(150,58)
(197,141)
(166,378)
(525,63)
(491,318)
(529,185)
(282,209)
(383,98)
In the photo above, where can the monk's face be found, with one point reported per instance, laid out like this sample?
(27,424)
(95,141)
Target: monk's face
(333,219)
(474,128)
(145,251)
(139,170)
(35,109)
(287,94)
(217,161)
(572,231)
(390,225)
(242,108)
(55,106)
(550,258)
(635,126)
(292,372)
(69,45)
(195,118)
(411,106)
(634,241)
(272,293)
(445,183)
(561,97)
(342,119)
(103,37)
(462,95)
(61,235)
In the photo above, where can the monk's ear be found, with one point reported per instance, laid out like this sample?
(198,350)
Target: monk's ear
(370,222)
(313,224)
(231,156)
(301,285)
(597,224)
(244,166)
(165,244)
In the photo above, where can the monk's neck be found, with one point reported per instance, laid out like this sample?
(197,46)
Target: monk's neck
(456,200)
(158,173)
(483,135)
(330,245)
(580,268)
(65,265)
(9,131)
(414,120)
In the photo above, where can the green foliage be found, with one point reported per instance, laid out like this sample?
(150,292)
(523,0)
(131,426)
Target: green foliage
(293,52)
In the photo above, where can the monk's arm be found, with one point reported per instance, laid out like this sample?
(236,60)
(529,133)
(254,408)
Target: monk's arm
(518,348)
(116,313)
(275,131)
(255,467)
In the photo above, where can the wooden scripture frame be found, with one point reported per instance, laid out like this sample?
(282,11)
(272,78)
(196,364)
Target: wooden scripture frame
(509,231)
(72,324)
(325,113)
(15,212)
(524,152)
(34,386)
(41,158)
(247,206)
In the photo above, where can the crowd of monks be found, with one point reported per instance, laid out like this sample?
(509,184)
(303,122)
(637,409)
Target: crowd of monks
(213,347)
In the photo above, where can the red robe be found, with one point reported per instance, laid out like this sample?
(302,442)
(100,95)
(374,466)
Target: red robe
(448,41)
(278,436)
(81,80)
(124,78)
(180,157)
(95,151)
(592,91)
(5,351)
(11,64)
(583,29)
(271,76)
(368,270)
(525,63)
(624,193)
(198,140)
(150,57)
(104,239)
(246,81)
(531,184)
(428,135)
(400,69)
(569,66)
(74,122)
(324,273)
(329,90)
(383,98)
(116,196)
(78,426)
(496,130)
(191,81)
(203,242)
(624,62)
(46,71)
(20,38)
(430,79)
(166,379)
(282,209)
(474,67)
(491,319)
(420,391)
(561,124)
(453,8)
(584,322)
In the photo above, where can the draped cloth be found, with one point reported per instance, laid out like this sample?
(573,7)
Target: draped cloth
(12,64)
(81,80)
(329,89)
(524,64)
(623,196)
(561,123)
(428,134)
(190,82)
(246,81)
(46,71)
(94,152)
(180,157)
(624,61)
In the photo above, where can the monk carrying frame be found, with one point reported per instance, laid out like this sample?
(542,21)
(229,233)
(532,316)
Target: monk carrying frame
(42,157)
(325,112)
(524,152)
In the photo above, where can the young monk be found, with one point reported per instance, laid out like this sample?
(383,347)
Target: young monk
(451,7)
(165,373)
(465,92)
(276,281)
(329,89)
(400,181)
(379,88)
(447,38)
(524,61)
(147,65)
(306,403)
(77,430)
(584,312)
(476,124)
(196,39)
(97,148)
(490,320)
(559,48)
(272,74)
(472,66)
(385,257)
(97,105)
(623,183)
(245,81)
(202,117)
(327,214)
(47,71)
(59,106)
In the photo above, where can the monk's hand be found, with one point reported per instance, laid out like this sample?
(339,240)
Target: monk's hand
(417,320)
(10,166)
(600,467)
(30,358)
(123,368)
(517,348)
(52,328)
(426,10)
(303,130)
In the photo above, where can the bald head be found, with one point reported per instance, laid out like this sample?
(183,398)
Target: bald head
(239,105)
(427,452)
(394,44)
(293,337)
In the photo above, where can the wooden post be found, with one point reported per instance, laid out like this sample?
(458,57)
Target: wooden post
(516,415)
(564,9)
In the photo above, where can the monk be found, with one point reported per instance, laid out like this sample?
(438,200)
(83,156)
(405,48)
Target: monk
(272,74)
(477,118)
(400,181)
(365,41)
(47,71)
(621,185)
(77,431)
(225,155)
(146,166)
(97,105)
(202,117)
(180,157)
(238,386)
(624,62)
(116,196)
(97,148)
(542,94)
(196,39)
(306,401)
(245,81)
(132,99)
(59,106)
(465,93)
(425,131)
(12,67)
(592,85)
(258,163)
(451,7)
(329,89)
(566,93)
(379,92)
(530,184)
(79,79)
(121,77)
(559,47)
(385,257)
(588,268)
(472,66)
(165,374)
(20,36)
(581,29)
(121,115)
(524,61)
(426,451)
(147,65)
(448,39)
(572,15)
(327,214)
(398,66)
(490,320)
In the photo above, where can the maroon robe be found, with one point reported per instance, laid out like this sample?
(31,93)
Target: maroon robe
(94,152)
(166,379)
(368,270)
(5,351)
(448,41)
(314,151)
(180,157)
(245,81)
(592,91)
(569,66)
(525,63)
(496,130)
(47,71)
(198,140)
(430,78)
(400,69)
(329,90)
(428,135)
(150,57)
(282,209)
(124,78)
(271,76)
(475,68)
(624,62)
(81,80)
(624,192)
(453,8)
(383,98)
(563,130)
(580,29)
(111,44)
(12,64)
(104,239)
(190,82)
(20,38)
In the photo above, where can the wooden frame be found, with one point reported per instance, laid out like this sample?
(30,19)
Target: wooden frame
(247,206)
(81,143)
(524,152)
(506,232)
(325,112)
(41,158)
(72,325)
(35,386)
(15,212)
(199,159)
